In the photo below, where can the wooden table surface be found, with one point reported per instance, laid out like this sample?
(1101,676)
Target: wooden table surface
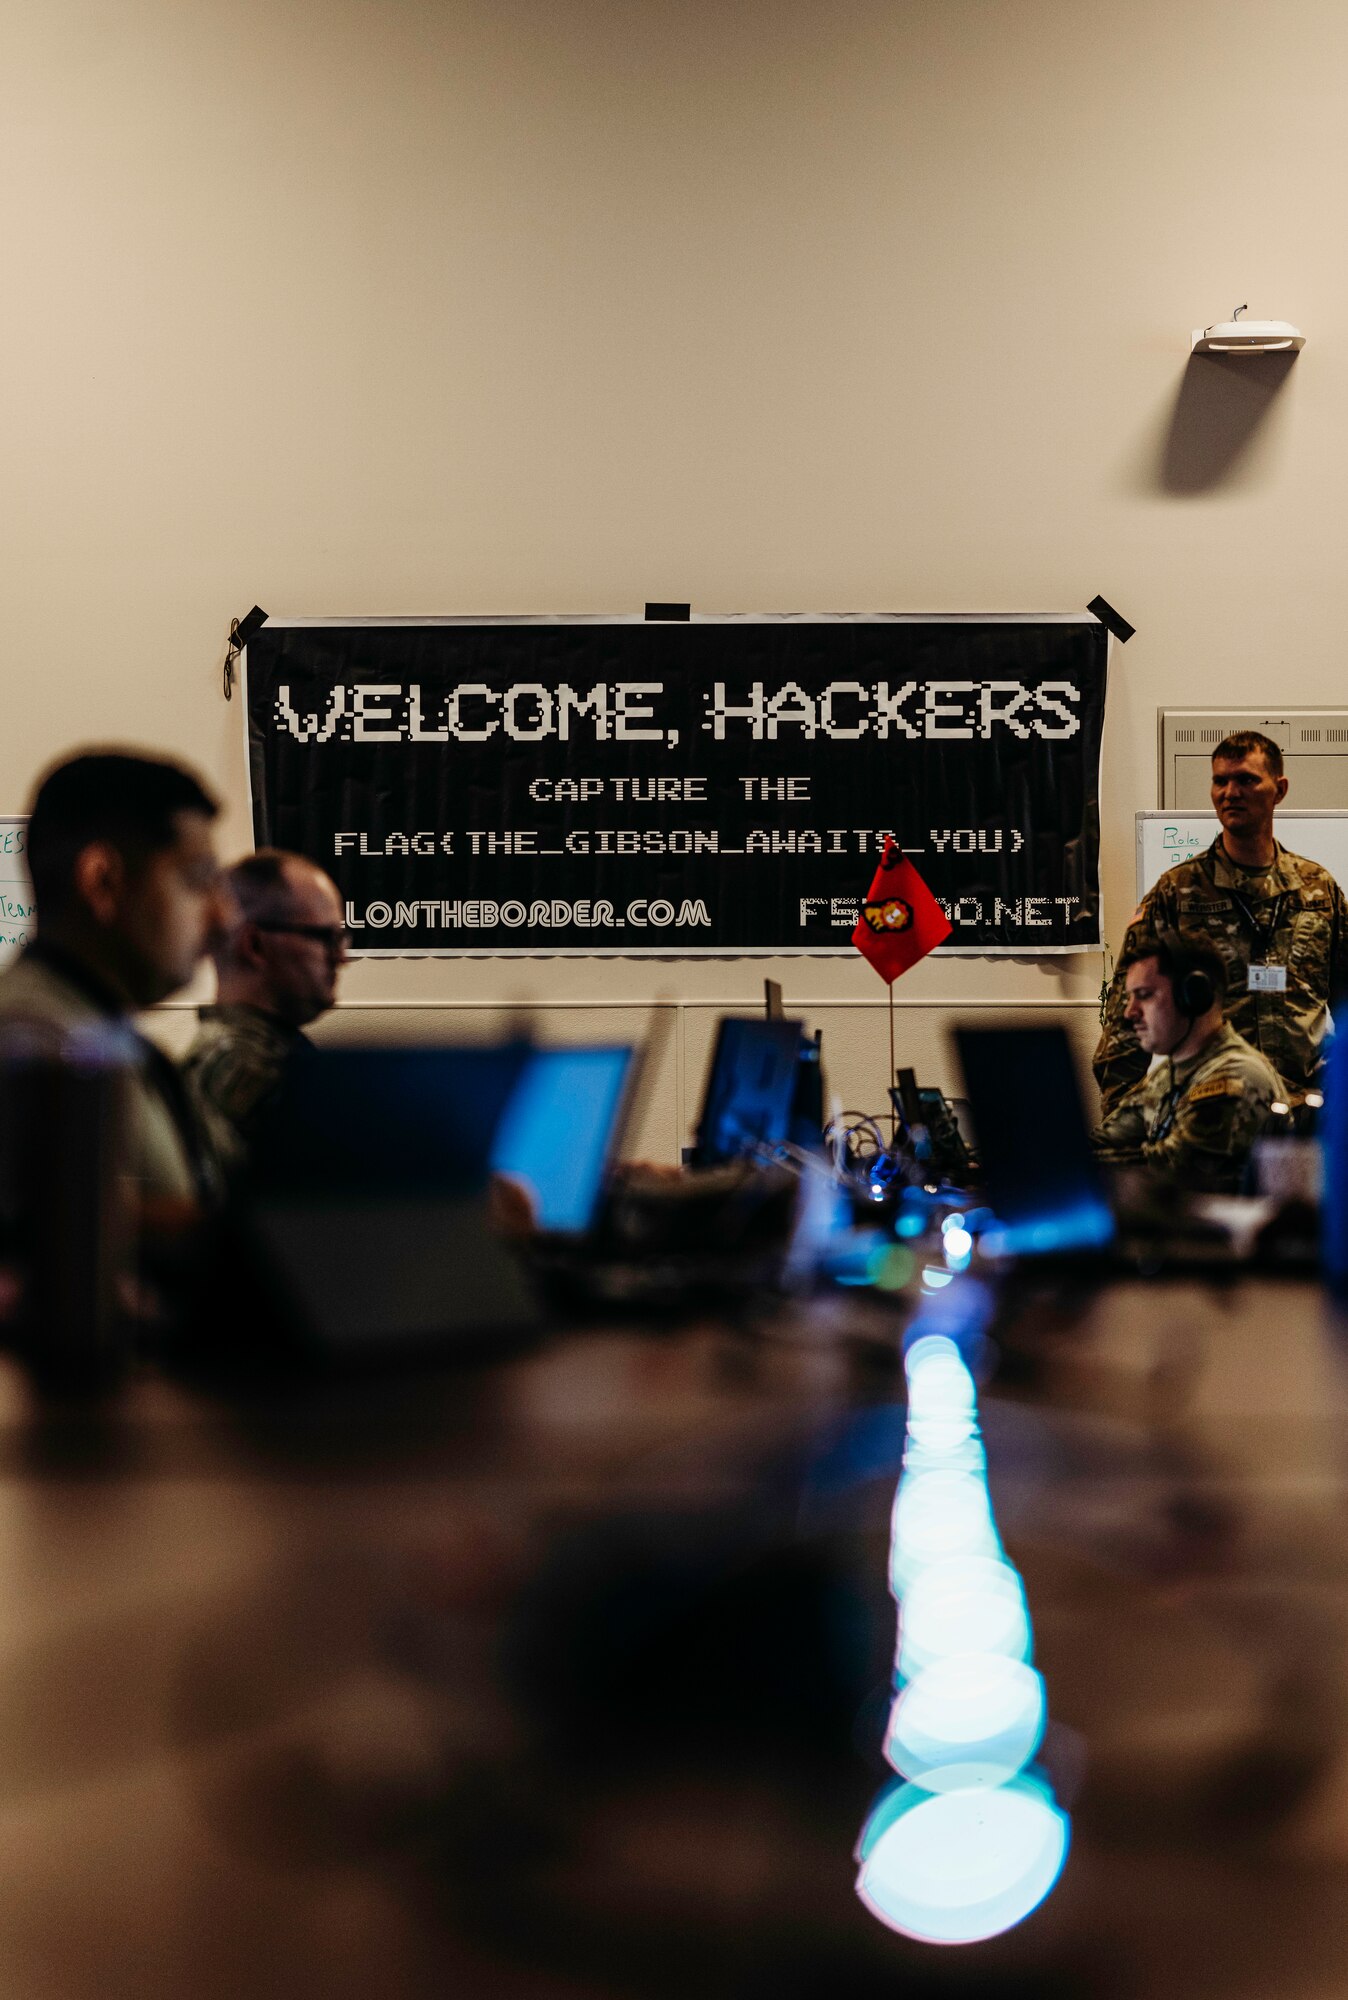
(566,1676)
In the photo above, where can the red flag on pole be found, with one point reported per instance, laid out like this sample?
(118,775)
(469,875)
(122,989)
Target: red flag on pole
(901,921)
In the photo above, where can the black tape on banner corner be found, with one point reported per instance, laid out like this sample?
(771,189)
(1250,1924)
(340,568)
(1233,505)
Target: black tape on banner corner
(241,630)
(674,614)
(247,626)
(1111,620)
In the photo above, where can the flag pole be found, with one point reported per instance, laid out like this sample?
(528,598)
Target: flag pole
(893,1114)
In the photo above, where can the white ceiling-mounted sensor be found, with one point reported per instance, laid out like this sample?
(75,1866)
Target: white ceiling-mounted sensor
(1247,336)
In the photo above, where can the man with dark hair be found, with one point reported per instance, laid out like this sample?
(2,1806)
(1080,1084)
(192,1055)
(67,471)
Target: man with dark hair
(277,970)
(1242,743)
(1198,1111)
(1278,922)
(127,888)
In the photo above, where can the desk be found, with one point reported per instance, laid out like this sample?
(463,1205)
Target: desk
(563,1677)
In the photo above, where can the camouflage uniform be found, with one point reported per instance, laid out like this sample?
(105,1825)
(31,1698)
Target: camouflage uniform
(1295,915)
(168,1155)
(233,1071)
(1197,1119)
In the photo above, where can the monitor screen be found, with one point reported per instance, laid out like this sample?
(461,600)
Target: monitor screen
(807,1102)
(750,1088)
(558,1131)
(1041,1175)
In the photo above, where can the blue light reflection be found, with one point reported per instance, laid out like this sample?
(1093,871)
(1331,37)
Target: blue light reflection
(957,1867)
(971,1720)
(1087,1225)
(958,1246)
(970,1604)
(969,1838)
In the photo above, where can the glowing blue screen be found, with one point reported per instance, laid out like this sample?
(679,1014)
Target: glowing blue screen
(554,1136)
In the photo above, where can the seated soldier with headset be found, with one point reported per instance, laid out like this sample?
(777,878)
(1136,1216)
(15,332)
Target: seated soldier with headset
(1196,1114)
(1278,921)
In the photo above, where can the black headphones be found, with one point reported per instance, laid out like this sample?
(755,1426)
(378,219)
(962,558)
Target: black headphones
(1194,993)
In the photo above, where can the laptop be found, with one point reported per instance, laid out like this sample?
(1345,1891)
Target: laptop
(1042,1179)
(364,1119)
(557,1134)
(807,1110)
(751,1088)
(363,1236)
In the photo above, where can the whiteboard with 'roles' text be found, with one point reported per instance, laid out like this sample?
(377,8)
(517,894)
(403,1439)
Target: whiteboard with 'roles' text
(16,891)
(1164,839)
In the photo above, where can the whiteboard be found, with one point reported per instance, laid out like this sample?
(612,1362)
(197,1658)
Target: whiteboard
(1165,838)
(16,891)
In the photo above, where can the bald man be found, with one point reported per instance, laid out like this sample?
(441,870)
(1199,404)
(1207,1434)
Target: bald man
(277,971)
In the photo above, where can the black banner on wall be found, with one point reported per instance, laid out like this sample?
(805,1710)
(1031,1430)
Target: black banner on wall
(723,787)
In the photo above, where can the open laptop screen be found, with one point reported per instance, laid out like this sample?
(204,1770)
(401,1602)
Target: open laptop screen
(750,1089)
(558,1130)
(1041,1176)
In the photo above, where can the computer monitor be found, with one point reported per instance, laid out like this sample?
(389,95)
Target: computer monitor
(558,1131)
(1041,1176)
(750,1088)
(906,1098)
(807,1099)
(931,1126)
(806,1128)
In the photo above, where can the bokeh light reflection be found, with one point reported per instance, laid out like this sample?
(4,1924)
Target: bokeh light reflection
(957,1867)
(969,1839)
(969,1604)
(937,1515)
(958,1245)
(942,1407)
(975,1719)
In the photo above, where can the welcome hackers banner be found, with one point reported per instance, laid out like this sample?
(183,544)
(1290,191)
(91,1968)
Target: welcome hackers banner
(590,787)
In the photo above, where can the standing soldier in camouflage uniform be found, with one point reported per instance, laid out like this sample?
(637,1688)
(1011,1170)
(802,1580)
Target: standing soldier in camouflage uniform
(1197,1113)
(1280,924)
(277,971)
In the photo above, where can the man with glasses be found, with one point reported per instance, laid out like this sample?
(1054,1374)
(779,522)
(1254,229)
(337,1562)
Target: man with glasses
(277,971)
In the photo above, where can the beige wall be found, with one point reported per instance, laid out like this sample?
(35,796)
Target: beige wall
(411,306)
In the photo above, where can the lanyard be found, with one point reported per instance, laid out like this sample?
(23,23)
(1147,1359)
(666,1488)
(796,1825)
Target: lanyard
(1261,935)
(1166,1117)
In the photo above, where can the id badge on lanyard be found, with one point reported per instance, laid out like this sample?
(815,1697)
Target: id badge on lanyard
(1262,977)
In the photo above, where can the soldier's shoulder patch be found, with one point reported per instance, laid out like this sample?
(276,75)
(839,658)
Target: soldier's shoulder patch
(1315,881)
(1217,1086)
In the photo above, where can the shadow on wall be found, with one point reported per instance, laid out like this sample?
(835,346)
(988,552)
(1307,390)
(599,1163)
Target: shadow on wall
(1221,420)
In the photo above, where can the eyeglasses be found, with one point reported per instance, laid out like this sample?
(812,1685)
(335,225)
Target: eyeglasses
(333,937)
